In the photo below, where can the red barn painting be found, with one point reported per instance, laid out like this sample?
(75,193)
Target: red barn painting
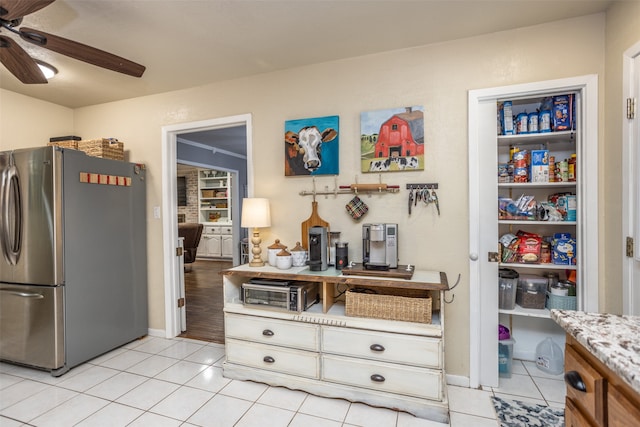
(398,143)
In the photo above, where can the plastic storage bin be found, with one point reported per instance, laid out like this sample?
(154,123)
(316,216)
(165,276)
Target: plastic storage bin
(507,284)
(505,357)
(532,291)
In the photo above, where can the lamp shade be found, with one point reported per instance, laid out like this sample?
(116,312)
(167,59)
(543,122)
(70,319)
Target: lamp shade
(255,213)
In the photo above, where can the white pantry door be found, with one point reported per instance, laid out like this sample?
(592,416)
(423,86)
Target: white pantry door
(631,182)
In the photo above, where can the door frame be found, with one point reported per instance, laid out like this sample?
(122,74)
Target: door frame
(483,292)
(170,209)
(630,189)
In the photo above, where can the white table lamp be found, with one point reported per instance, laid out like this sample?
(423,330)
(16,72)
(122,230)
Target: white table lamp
(255,214)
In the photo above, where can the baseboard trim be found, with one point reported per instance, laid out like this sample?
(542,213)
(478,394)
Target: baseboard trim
(458,380)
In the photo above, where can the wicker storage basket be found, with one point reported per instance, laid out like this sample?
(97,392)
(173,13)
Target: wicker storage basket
(103,147)
(409,305)
(561,302)
(207,193)
(71,143)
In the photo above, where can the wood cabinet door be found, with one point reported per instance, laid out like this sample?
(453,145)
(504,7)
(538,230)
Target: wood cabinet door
(622,412)
(574,418)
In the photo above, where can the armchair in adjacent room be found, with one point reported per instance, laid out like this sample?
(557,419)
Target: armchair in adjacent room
(191,231)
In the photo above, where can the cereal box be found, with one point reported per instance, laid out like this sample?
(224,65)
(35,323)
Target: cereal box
(562,114)
(539,165)
(564,249)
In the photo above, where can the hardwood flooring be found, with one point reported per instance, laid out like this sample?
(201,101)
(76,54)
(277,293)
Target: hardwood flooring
(204,300)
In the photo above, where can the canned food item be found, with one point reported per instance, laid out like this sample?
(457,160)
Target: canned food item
(552,168)
(572,168)
(562,171)
(522,123)
(533,122)
(544,121)
(572,205)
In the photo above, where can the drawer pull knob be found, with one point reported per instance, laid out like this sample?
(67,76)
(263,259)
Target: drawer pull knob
(377,378)
(267,333)
(268,359)
(376,347)
(574,379)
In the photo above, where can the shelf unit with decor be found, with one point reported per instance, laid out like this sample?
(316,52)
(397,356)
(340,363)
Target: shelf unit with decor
(214,197)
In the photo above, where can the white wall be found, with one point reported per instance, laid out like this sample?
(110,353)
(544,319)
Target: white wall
(437,76)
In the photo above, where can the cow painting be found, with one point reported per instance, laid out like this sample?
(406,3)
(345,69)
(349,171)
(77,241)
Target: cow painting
(311,146)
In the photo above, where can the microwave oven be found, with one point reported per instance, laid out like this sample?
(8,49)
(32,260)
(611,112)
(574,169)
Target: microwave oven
(287,296)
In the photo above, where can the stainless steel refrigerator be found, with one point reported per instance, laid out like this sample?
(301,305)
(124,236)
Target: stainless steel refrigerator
(73,270)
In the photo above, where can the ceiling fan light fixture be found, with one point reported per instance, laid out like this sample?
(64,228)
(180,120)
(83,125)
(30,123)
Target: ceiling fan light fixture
(49,71)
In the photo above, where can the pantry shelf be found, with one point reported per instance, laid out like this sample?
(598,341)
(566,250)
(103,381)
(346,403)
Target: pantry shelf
(527,222)
(538,266)
(530,185)
(542,313)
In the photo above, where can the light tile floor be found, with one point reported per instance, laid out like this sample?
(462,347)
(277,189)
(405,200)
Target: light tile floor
(178,382)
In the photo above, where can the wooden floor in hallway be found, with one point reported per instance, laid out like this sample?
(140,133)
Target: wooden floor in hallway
(204,300)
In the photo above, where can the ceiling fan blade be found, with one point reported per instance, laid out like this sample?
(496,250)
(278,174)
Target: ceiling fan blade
(82,52)
(14,9)
(19,63)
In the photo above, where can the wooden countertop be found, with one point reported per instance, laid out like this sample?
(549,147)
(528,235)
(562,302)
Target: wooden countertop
(426,280)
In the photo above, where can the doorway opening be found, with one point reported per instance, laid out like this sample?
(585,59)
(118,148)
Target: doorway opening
(205,155)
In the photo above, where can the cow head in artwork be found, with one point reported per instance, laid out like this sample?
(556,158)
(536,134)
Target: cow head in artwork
(303,149)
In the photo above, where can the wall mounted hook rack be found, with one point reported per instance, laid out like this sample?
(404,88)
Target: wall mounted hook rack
(352,188)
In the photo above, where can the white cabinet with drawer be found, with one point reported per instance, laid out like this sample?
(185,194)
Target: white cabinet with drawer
(216,242)
(322,351)
(385,377)
(387,347)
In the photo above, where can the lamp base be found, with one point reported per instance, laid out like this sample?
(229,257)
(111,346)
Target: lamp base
(256,261)
(259,263)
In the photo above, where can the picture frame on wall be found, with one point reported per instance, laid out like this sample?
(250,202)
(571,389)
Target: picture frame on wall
(392,140)
(311,146)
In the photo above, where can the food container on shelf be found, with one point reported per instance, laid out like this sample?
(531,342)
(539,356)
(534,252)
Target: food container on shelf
(507,284)
(532,291)
(284,260)
(273,250)
(298,255)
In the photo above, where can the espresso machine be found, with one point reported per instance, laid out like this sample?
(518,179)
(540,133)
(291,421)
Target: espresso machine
(318,245)
(379,246)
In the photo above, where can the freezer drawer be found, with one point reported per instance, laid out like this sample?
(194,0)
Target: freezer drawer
(32,325)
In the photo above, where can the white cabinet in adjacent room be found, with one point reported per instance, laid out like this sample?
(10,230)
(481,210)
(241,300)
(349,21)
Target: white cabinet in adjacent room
(216,242)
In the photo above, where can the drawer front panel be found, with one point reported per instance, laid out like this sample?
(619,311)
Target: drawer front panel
(279,359)
(390,378)
(386,347)
(590,401)
(272,331)
(225,230)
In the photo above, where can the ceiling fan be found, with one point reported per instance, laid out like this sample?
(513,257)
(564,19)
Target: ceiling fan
(25,68)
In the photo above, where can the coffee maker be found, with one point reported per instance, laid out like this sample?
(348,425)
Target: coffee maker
(379,246)
(318,245)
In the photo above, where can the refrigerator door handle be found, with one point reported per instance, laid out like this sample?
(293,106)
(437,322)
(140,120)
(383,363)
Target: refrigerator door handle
(23,294)
(11,222)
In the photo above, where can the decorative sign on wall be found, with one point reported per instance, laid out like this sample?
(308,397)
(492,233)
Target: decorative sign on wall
(392,140)
(311,146)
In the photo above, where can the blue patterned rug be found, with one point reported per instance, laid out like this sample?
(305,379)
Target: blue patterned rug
(514,413)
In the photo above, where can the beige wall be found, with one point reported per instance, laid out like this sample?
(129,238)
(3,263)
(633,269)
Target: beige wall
(622,32)
(437,76)
(28,122)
